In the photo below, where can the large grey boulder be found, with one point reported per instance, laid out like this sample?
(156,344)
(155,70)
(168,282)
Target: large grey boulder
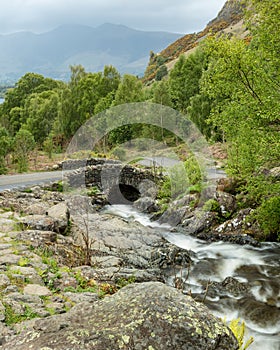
(140,316)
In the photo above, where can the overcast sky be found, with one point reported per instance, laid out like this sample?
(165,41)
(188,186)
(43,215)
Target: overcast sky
(181,16)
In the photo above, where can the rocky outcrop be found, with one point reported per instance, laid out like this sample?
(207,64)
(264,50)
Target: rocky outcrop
(229,20)
(140,316)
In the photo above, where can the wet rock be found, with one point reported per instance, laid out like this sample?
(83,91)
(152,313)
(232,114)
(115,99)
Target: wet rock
(200,221)
(258,313)
(240,228)
(227,202)
(170,255)
(146,205)
(230,285)
(178,211)
(166,319)
(241,239)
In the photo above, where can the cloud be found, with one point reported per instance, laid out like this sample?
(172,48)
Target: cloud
(168,15)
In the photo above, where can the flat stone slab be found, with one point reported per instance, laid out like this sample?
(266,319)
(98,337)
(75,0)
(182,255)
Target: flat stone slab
(9,259)
(36,289)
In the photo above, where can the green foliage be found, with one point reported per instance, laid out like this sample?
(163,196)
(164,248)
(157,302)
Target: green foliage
(238,329)
(161,93)
(184,79)
(129,90)
(40,111)
(24,143)
(122,282)
(268,216)
(24,261)
(5,147)
(92,191)
(160,60)
(164,191)
(212,205)
(199,112)
(240,88)
(161,72)
(48,146)
(11,317)
(194,171)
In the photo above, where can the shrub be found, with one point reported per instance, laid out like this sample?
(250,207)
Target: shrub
(193,170)
(268,216)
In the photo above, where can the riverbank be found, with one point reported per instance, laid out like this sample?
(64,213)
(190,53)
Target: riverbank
(60,250)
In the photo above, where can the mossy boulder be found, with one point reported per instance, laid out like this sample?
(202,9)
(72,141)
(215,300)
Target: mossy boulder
(140,316)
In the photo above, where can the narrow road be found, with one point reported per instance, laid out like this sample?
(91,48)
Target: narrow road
(165,162)
(9,182)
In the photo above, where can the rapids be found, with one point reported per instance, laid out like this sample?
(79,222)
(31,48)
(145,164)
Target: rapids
(256,271)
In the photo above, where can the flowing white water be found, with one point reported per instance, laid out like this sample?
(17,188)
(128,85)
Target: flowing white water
(258,267)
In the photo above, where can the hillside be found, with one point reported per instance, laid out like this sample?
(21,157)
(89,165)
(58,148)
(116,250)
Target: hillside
(52,52)
(228,20)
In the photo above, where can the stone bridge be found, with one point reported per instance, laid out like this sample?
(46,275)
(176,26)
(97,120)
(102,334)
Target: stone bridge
(121,183)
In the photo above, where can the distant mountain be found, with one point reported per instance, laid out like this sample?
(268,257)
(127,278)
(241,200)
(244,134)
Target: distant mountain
(52,52)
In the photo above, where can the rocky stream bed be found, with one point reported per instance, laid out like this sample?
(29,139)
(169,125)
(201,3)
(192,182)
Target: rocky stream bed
(75,274)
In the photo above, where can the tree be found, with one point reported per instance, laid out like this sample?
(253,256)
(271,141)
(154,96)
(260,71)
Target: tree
(161,94)
(41,109)
(161,72)
(5,147)
(110,80)
(129,90)
(242,81)
(199,112)
(15,98)
(184,78)
(24,143)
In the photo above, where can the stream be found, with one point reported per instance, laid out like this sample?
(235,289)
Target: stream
(255,271)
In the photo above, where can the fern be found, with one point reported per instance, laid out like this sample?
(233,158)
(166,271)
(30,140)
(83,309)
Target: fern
(238,329)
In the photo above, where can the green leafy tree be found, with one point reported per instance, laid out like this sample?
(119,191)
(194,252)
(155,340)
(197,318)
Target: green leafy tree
(184,78)
(161,72)
(161,93)
(129,90)
(5,148)
(24,143)
(110,80)
(199,112)
(242,81)
(41,109)
(15,98)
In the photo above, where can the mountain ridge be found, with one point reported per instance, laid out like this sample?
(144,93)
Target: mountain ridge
(48,53)
(229,20)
